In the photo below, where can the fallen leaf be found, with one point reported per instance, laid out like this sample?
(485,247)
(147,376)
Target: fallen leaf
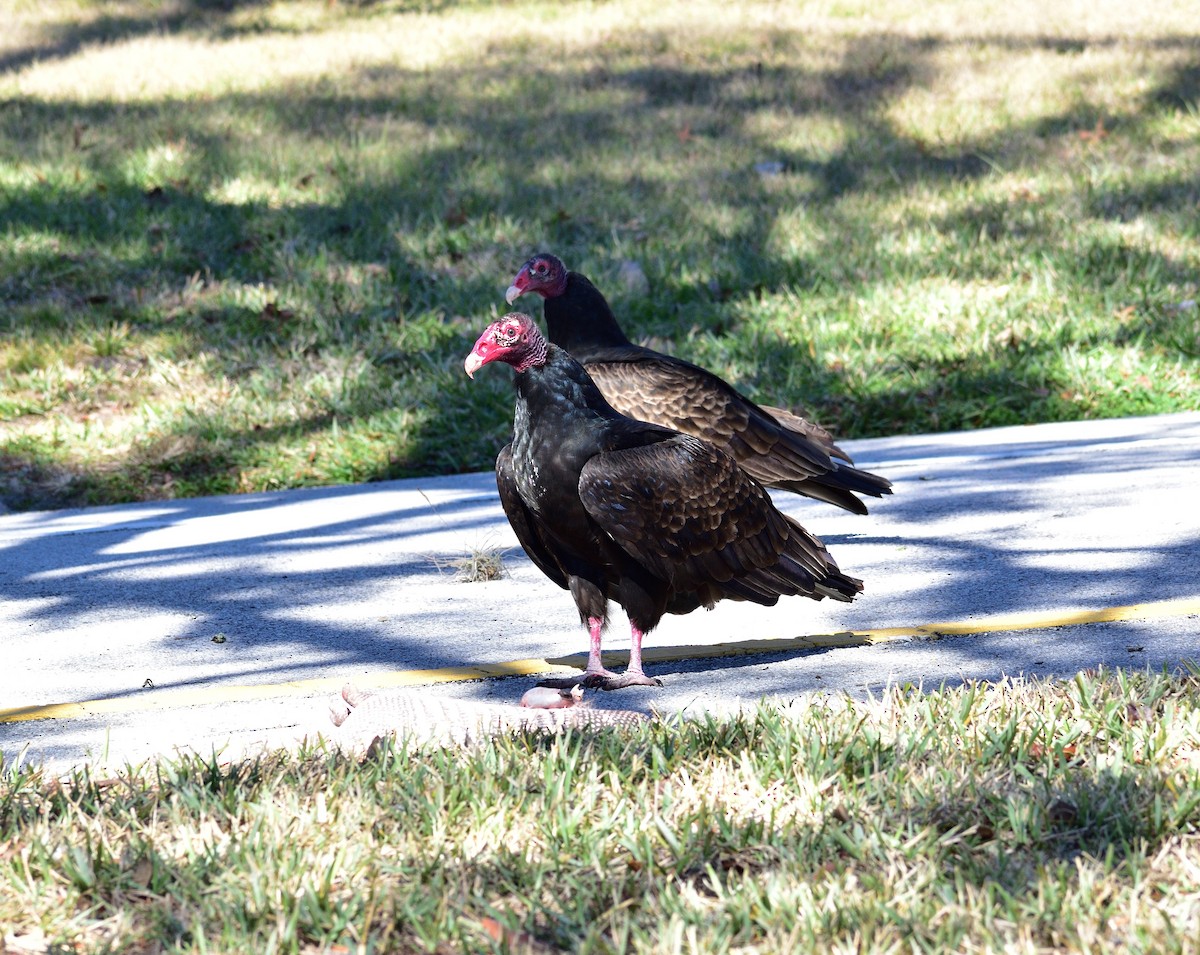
(1062,812)
(273,311)
(511,940)
(142,871)
(1136,712)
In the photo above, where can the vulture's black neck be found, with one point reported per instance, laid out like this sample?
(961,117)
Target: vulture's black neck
(580,320)
(559,399)
(560,383)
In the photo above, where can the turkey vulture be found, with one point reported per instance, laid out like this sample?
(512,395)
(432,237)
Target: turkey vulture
(609,507)
(775,447)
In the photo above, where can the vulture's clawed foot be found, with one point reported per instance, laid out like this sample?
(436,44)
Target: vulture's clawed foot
(605,680)
(618,681)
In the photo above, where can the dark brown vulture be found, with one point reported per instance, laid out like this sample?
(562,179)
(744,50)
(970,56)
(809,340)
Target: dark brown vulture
(612,508)
(775,447)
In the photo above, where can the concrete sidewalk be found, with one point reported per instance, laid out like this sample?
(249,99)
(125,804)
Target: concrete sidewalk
(120,606)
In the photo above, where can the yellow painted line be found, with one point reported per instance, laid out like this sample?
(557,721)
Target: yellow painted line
(998,623)
(1001,623)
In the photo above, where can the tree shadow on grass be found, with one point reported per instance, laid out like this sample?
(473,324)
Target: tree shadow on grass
(1009,838)
(63,40)
(433,226)
(213,19)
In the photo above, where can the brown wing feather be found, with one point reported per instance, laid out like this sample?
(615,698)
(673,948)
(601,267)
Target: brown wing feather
(676,396)
(691,516)
(794,421)
(789,452)
(668,394)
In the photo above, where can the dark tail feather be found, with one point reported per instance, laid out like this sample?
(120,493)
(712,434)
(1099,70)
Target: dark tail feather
(839,586)
(839,487)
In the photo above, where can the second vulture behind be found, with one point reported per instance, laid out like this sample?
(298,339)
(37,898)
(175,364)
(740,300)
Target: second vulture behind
(776,447)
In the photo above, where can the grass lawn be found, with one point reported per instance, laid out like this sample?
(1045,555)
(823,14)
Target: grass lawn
(246,245)
(1020,818)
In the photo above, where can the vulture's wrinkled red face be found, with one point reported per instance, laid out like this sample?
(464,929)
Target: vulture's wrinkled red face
(544,274)
(513,339)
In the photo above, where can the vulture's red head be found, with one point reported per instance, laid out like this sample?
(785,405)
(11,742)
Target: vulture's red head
(514,339)
(544,274)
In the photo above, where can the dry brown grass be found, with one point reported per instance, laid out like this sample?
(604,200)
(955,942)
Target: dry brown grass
(1022,817)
